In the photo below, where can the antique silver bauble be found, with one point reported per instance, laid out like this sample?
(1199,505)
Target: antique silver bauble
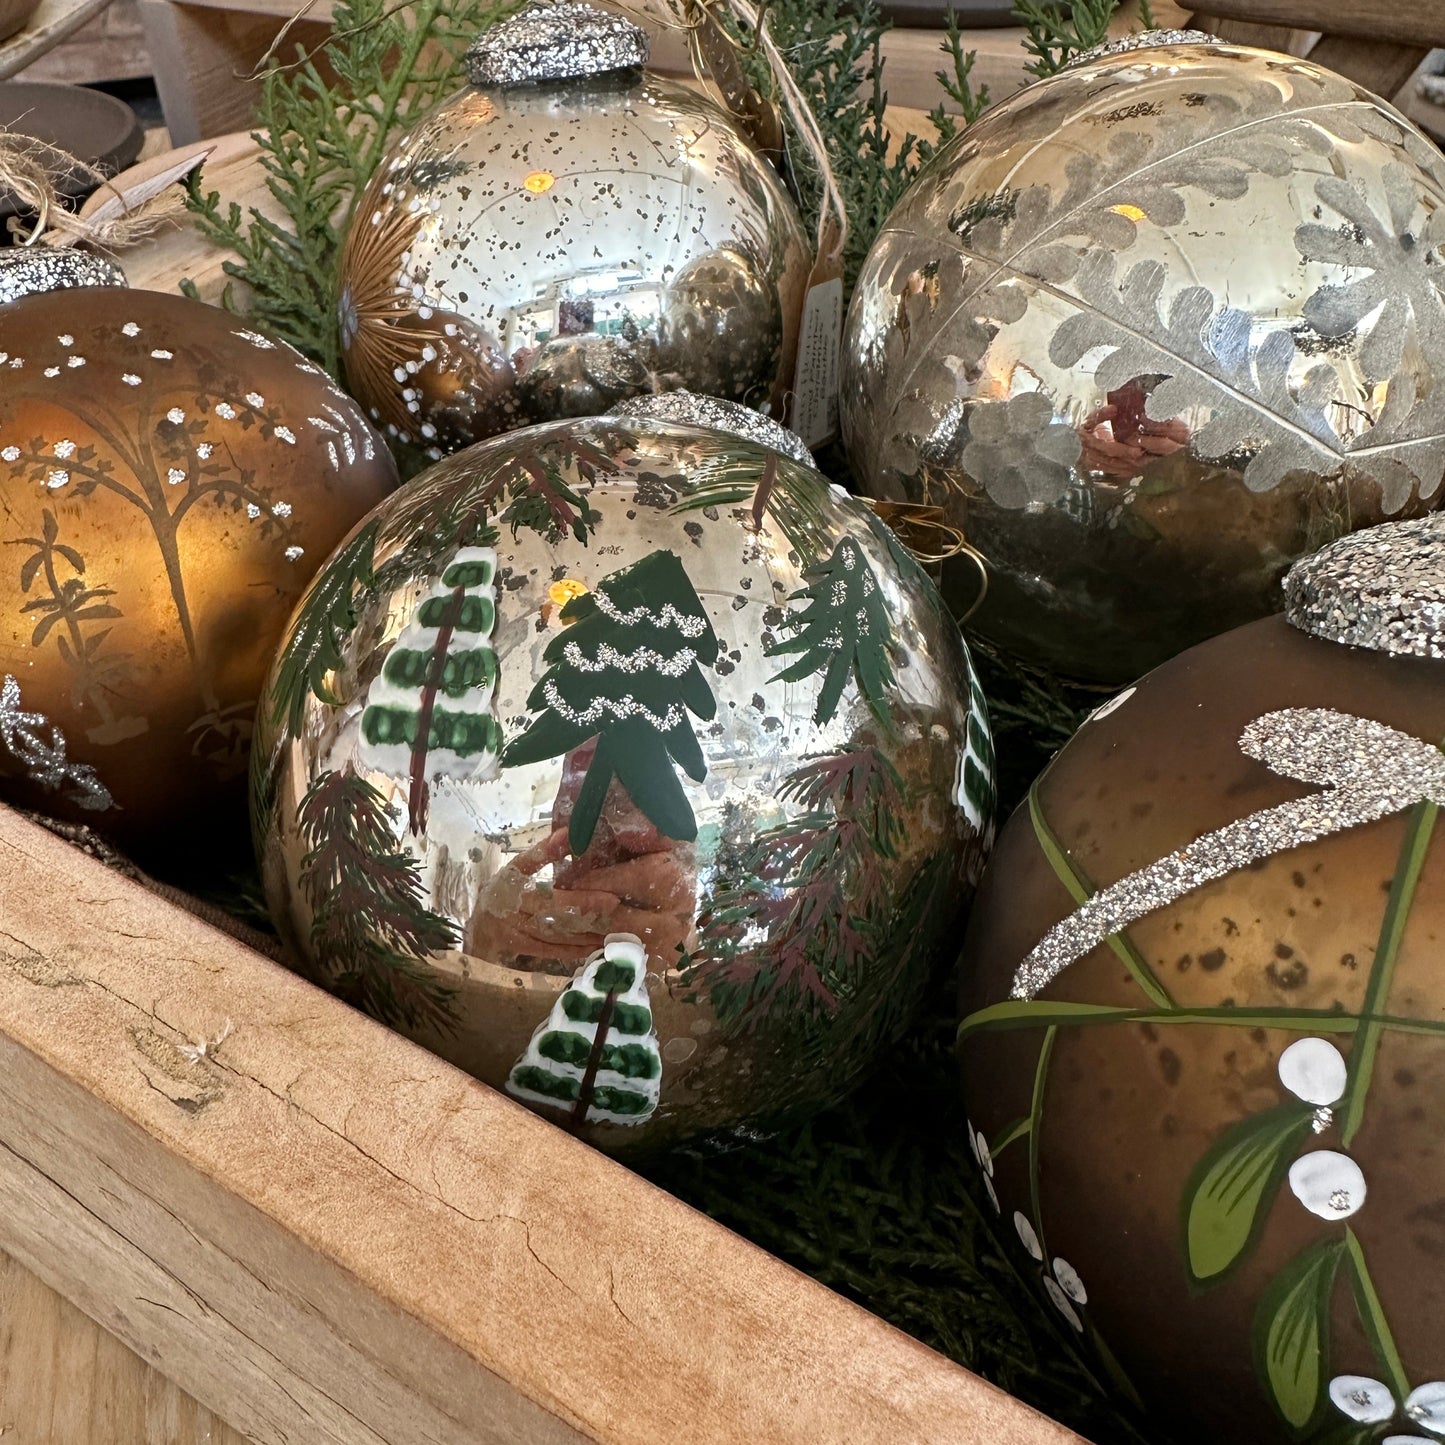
(1150,330)
(633,768)
(568,231)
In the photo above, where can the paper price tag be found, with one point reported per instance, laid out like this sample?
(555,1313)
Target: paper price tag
(815,382)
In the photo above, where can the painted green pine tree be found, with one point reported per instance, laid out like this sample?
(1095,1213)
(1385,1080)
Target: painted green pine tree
(976,792)
(843,630)
(627,672)
(429,712)
(596,1053)
(371,930)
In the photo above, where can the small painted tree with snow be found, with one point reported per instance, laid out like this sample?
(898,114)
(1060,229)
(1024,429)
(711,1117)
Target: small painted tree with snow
(843,630)
(627,672)
(429,713)
(596,1054)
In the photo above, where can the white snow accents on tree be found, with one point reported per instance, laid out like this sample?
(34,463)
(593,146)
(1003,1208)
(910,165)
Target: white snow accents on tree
(596,1053)
(1328,1183)
(429,714)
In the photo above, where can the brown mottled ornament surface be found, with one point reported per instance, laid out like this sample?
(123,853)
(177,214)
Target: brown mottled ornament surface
(647,782)
(170,480)
(1216,1139)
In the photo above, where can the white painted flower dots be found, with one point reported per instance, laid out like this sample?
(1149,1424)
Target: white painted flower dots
(1372,1402)
(1328,1183)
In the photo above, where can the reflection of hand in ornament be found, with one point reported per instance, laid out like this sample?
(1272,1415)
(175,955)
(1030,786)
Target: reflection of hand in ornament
(1119,438)
(631,879)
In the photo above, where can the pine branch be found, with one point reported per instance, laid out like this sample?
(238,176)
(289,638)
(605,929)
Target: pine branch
(958,86)
(1055,36)
(320,141)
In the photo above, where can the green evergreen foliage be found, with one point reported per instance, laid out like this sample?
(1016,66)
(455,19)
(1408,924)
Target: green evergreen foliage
(626,671)
(371,930)
(321,139)
(1056,34)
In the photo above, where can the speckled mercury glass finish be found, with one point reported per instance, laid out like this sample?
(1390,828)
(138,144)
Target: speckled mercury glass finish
(25,270)
(1150,331)
(632,685)
(546,245)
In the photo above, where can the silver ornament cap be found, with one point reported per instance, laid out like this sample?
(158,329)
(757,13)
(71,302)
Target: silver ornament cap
(556,42)
(1381,588)
(29,270)
(1141,40)
(690,409)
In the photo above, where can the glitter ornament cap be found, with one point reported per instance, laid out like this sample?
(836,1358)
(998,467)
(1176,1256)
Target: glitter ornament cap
(27,270)
(1142,40)
(1382,588)
(556,42)
(691,409)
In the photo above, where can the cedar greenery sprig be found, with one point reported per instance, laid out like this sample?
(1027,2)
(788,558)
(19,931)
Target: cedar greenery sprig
(320,141)
(1055,35)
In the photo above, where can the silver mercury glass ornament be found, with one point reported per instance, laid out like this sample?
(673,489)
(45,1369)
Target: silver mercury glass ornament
(568,231)
(647,781)
(1148,332)
(27,270)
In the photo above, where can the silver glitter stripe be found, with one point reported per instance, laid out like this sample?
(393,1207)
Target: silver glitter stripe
(46,761)
(668,617)
(1142,40)
(555,42)
(643,660)
(620,708)
(689,408)
(1367,771)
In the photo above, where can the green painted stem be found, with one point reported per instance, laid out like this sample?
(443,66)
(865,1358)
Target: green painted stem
(1372,1316)
(1014,1132)
(1382,971)
(1081,890)
(1036,1113)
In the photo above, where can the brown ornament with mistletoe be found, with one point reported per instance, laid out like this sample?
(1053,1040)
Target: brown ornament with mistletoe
(1204,1018)
(170,480)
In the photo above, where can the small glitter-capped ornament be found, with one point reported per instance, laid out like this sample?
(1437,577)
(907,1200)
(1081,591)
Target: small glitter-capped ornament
(630,766)
(568,231)
(1204,1017)
(171,479)
(1151,330)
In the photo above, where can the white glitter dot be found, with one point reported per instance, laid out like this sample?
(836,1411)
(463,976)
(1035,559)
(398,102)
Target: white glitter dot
(16,362)
(175,476)
(66,340)
(11,454)
(286,435)
(52,371)
(58,478)
(225,411)
(65,449)
(176,414)
(161,354)
(204,451)
(254,398)
(75,361)
(281,509)
(252,510)
(130,329)
(292,553)
(130,378)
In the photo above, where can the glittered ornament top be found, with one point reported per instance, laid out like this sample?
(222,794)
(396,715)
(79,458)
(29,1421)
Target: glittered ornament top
(556,42)
(1152,330)
(26,270)
(567,232)
(690,409)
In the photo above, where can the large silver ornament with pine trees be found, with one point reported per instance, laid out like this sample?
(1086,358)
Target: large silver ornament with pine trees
(1149,331)
(568,231)
(632,767)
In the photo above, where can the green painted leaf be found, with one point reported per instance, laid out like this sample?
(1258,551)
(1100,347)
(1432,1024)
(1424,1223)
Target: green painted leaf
(1229,1194)
(1372,1315)
(1291,1333)
(1024,1013)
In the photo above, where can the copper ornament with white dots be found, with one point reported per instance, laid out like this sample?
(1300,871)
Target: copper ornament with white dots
(169,481)
(567,231)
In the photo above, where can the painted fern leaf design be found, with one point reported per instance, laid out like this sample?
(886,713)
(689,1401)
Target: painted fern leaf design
(843,631)
(1210,366)
(328,613)
(429,713)
(371,930)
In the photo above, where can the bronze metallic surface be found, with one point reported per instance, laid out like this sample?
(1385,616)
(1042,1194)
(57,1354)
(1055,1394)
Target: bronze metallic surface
(1149,331)
(170,480)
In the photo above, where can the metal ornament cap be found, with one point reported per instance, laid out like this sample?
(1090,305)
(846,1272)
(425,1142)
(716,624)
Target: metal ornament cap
(1141,40)
(28,270)
(556,42)
(1382,588)
(691,409)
